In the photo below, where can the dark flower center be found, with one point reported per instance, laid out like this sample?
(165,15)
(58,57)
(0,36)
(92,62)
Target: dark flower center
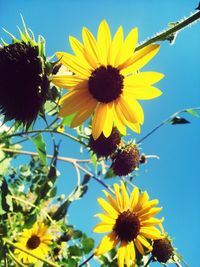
(125,159)
(104,147)
(33,242)
(127,226)
(105,84)
(23,83)
(162,250)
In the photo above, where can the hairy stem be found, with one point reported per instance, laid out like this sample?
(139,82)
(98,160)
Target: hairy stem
(165,122)
(168,32)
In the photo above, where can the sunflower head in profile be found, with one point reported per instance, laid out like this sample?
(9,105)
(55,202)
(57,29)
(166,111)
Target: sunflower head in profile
(24,80)
(36,240)
(106,81)
(129,222)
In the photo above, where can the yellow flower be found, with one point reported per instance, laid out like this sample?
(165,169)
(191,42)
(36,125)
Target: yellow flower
(130,222)
(106,81)
(36,240)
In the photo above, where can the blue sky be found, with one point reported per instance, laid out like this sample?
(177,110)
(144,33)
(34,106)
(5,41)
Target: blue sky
(174,178)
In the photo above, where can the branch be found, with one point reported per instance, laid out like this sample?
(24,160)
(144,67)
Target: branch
(164,122)
(169,32)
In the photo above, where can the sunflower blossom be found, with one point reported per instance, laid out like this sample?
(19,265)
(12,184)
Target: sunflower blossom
(106,81)
(36,240)
(130,223)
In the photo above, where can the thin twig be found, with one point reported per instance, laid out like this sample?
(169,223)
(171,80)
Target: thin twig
(34,206)
(88,259)
(164,122)
(72,160)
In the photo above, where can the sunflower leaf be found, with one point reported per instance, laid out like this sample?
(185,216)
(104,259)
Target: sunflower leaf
(178,120)
(68,119)
(88,245)
(110,174)
(192,112)
(41,148)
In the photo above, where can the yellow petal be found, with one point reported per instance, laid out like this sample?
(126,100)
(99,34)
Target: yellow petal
(106,244)
(79,51)
(90,46)
(102,228)
(127,255)
(150,232)
(65,81)
(99,120)
(121,254)
(151,213)
(118,122)
(146,207)
(139,59)
(118,197)
(125,197)
(142,92)
(73,101)
(104,41)
(132,252)
(105,218)
(151,222)
(134,127)
(143,198)
(139,246)
(111,200)
(135,108)
(108,124)
(74,63)
(129,45)
(145,78)
(134,198)
(84,113)
(115,48)
(124,108)
(108,208)
(144,242)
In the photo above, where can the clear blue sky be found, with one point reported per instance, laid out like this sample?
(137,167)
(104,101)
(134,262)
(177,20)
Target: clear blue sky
(174,179)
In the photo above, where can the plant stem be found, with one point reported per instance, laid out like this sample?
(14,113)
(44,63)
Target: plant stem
(47,131)
(88,259)
(32,205)
(164,122)
(22,152)
(166,33)
(29,253)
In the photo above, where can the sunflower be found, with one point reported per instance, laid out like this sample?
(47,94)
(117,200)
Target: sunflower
(24,80)
(36,240)
(106,80)
(130,222)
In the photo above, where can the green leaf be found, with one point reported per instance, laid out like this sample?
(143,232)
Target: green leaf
(30,220)
(75,251)
(4,163)
(71,263)
(110,174)
(41,148)
(77,234)
(193,112)
(68,119)
(179,120)
(88,245)
(93,159)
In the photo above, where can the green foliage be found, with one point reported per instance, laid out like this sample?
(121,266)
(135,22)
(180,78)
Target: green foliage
(41,147)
